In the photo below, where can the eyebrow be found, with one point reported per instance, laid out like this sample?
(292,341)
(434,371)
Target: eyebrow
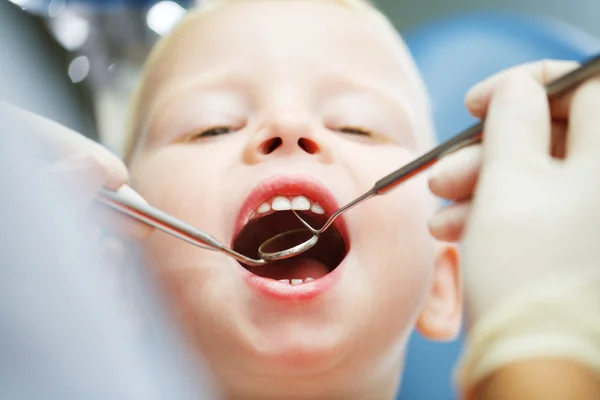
(351,81)
(210,79)
(403,103)
(206,80)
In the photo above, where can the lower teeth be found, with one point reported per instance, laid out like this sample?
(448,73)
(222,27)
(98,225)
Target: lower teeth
(295,282)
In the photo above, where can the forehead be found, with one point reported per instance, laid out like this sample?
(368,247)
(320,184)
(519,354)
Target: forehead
(279,39)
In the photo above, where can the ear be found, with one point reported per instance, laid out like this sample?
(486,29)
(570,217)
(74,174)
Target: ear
(441,316)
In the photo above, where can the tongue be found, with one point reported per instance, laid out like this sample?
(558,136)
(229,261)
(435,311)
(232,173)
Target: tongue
(295,268)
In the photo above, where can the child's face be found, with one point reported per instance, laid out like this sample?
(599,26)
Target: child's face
(289,83)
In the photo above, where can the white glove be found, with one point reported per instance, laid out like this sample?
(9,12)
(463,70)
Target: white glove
(84,165)
(527,211)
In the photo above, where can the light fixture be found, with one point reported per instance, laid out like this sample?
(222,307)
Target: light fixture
(70,29)
(20,3)
(79,69)
(163,16)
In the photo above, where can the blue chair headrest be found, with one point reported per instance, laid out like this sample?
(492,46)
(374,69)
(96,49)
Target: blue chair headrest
(453,54)
(456,52)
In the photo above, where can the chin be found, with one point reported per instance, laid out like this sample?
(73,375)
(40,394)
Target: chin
(315,355)
(333,332)
(306,352)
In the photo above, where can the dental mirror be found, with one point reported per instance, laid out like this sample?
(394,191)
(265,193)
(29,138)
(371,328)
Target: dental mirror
(292,243)
(278,247)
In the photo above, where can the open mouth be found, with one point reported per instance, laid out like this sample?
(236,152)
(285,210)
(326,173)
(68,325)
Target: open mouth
(274,217)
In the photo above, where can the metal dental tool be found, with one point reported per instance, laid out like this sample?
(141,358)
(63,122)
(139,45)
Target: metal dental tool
(169,224)
(278,247)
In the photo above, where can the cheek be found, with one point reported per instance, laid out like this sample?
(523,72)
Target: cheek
(401,217)
(394,246)
(395,257)
(395,239)
(394,224)
(396,254)
(175,181)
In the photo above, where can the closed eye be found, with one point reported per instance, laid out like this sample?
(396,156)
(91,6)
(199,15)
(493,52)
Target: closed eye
(213,131)
(355,131)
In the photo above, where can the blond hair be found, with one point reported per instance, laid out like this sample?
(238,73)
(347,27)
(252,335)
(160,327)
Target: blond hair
(204,8)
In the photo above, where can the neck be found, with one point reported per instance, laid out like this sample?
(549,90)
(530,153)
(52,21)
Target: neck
(376,384)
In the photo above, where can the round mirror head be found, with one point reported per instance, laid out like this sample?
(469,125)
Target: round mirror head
(287,244)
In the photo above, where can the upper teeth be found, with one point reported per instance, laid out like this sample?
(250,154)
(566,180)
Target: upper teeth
(283,203)
(300,203)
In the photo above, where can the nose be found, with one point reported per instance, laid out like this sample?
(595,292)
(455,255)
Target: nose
(287,135)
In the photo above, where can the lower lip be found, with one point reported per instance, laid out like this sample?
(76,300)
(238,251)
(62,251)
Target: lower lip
(286,292)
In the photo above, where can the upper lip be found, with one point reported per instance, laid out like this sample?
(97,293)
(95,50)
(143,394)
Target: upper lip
(286,185)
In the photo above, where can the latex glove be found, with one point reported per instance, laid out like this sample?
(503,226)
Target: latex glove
(81,163)
(527,199)
(84,166)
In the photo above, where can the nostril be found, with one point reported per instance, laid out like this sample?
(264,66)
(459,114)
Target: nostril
(269,146)
(308,146)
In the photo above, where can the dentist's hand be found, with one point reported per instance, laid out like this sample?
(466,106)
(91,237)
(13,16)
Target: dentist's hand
(83,165)
(454,177)
(526,211)
(527,198)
